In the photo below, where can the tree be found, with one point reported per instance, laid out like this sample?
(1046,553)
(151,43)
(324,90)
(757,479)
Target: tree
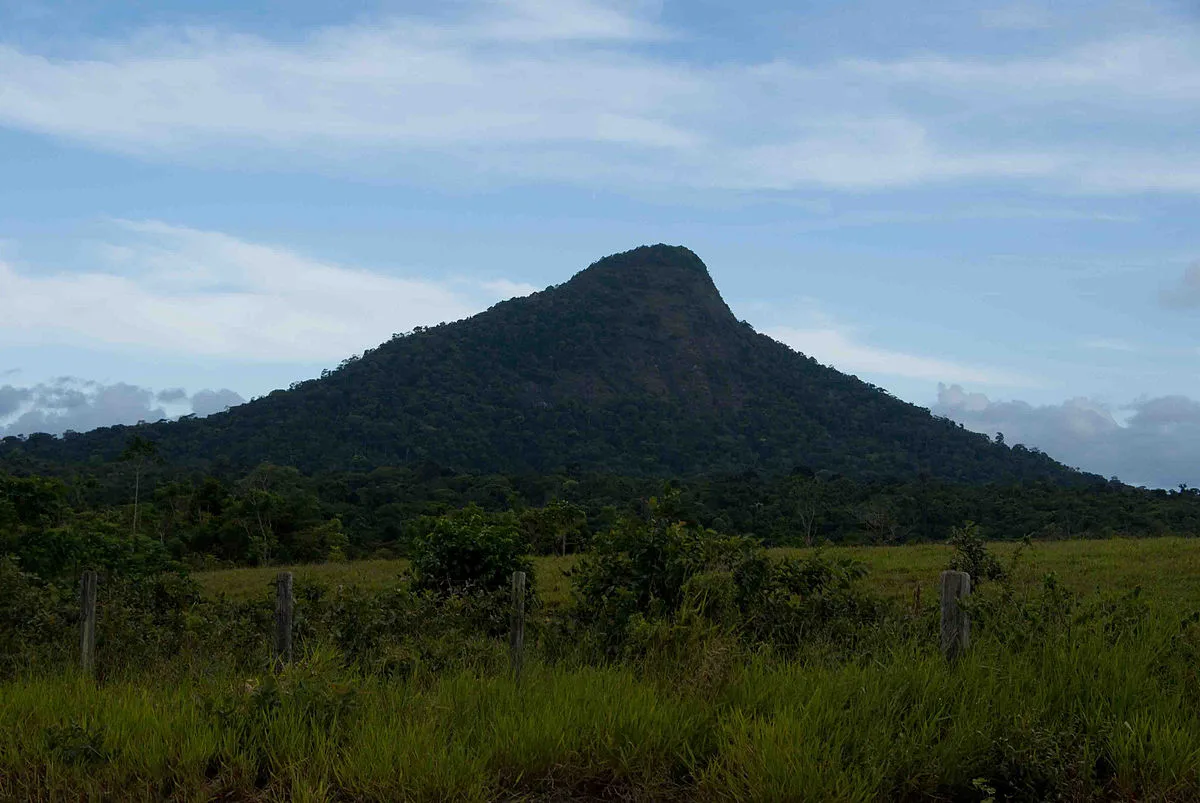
(140,451)
(559,526)
(807,499)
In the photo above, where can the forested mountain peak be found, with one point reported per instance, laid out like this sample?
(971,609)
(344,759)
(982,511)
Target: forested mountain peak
(652,276)
(633,366)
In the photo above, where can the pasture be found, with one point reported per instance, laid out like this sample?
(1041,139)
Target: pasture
(1165,568)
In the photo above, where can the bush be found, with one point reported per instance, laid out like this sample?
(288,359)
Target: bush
(36,619)
(397,630)
(89,542)
(469,551)
(972,556)
(643,571)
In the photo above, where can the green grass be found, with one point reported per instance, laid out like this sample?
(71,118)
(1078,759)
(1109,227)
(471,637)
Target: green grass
(1166,568)
(1100,708)
(907,726)
(255,583)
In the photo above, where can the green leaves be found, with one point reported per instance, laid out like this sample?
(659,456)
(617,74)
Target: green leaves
(470,551)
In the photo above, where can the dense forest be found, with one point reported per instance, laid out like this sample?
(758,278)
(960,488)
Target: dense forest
(141,509)
(634,367)
(552,416)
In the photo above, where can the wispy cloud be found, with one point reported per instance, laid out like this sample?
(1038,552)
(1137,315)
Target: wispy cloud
(1017,17)
(1110,344)
(839,348)
(581,91)
(186,291)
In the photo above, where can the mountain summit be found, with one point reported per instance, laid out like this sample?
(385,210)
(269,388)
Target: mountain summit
(634,366)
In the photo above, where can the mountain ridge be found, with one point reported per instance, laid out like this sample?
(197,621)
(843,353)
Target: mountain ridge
(635,365)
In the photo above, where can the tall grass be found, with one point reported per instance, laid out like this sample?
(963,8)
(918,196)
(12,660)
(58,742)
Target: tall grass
(1057,699)
(1099,715)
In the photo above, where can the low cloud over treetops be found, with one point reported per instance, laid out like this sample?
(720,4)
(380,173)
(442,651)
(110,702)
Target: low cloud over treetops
(1157,444)
(69,403)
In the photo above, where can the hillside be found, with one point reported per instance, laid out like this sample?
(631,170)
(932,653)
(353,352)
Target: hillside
(635,366)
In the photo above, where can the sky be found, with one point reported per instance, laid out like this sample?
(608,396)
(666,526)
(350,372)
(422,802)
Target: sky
(986,208)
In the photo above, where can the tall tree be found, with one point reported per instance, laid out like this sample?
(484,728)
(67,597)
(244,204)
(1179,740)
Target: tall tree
(139,451)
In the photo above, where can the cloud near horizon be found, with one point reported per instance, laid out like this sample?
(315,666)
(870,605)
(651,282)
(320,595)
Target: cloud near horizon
(584,92)
(73,404)
(1156,446)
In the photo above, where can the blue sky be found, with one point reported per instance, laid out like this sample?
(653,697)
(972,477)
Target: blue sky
(987,209)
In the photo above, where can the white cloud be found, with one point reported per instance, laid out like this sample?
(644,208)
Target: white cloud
(195,292)
(1109,344)
(207,402)
(836,347)
(73,404)
(1132,67)
(580,91)
(539,21)
(1156,446)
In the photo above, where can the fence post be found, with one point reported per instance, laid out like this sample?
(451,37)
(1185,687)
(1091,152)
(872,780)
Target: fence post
(87,623)
(284,606)
(956,626)
(517,637)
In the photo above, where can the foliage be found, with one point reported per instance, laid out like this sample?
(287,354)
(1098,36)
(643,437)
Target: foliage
(561,527)
(276,514)
(971,555)
(660,569)
(737,675)
(1082,718)
(35,619)
(468,552)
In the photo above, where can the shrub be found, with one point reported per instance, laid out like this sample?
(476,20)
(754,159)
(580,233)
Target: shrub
(397,630)
(972,556)
(642,571)
(36,619)
(469,551)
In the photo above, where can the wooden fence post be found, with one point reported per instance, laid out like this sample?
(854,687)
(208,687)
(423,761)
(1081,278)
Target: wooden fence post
(284,606)
(517,637)
(956,626)
(87,623)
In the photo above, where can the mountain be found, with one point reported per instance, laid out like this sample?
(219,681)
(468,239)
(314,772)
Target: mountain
(635,366)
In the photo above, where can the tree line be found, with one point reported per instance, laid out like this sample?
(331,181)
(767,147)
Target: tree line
(138,509)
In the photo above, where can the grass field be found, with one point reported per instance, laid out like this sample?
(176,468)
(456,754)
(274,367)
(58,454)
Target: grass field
(1098,702)
(1166,568)
(1091,719)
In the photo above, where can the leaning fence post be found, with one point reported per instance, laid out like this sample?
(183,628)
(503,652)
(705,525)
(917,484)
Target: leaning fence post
(284,605)
(956,626)
(517,637)
(87,622)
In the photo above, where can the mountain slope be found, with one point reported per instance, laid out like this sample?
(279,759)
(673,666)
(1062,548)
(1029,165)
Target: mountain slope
(634,366)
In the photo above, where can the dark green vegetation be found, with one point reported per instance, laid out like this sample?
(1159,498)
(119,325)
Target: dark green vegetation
(278,515)
(687,665)
(634,367)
